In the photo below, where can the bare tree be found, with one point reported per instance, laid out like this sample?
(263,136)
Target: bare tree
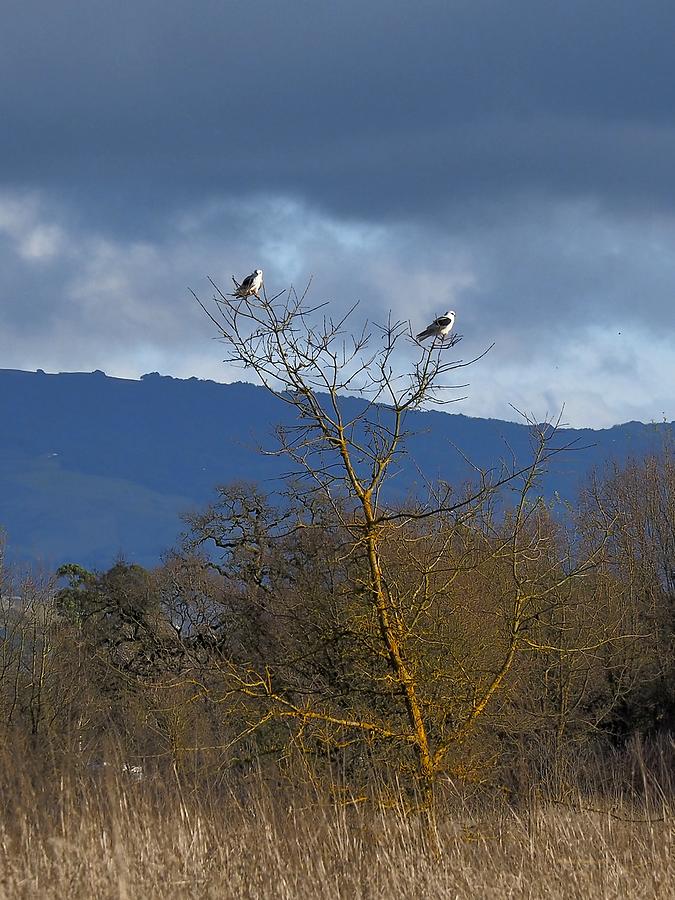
(404,618)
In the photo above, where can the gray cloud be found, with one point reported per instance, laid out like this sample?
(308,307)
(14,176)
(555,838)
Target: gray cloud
(514,160)
(366,109)
(553,287)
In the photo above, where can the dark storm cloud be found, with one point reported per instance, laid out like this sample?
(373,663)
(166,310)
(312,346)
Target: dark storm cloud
(513,160)
(366,109)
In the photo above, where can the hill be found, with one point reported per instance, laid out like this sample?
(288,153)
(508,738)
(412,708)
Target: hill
(92,467)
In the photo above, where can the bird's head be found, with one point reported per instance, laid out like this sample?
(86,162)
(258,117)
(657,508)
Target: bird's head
(450,314)
(258,272)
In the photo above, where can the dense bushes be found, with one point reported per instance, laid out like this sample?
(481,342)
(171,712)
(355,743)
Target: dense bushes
(255,643)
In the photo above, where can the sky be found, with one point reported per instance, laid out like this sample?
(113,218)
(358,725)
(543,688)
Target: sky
(513,161)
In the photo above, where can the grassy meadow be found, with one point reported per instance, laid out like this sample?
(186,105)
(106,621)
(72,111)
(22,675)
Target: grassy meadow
(106,836)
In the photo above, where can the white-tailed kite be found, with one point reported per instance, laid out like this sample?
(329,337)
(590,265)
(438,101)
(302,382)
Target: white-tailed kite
(440,327)
(250,286)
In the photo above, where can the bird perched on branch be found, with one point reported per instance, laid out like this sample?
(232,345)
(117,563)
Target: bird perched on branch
(250,286)
(440,327)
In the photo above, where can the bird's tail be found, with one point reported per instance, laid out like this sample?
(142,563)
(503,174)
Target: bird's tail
(425,334)
(237,289)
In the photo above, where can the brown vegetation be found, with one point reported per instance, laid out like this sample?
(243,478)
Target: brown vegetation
(85,836)
(328,691)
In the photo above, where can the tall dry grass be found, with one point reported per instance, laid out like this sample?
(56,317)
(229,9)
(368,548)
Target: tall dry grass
(88,836)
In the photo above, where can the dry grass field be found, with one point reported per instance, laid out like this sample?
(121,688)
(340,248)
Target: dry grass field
(84,837)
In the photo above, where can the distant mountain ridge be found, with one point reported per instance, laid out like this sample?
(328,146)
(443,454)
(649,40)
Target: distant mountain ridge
(92,466)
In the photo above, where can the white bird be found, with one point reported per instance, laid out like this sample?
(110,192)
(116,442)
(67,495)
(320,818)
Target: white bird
(250,285)
(440,327)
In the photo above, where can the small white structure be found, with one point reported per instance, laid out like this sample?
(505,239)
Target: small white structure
(126,770)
